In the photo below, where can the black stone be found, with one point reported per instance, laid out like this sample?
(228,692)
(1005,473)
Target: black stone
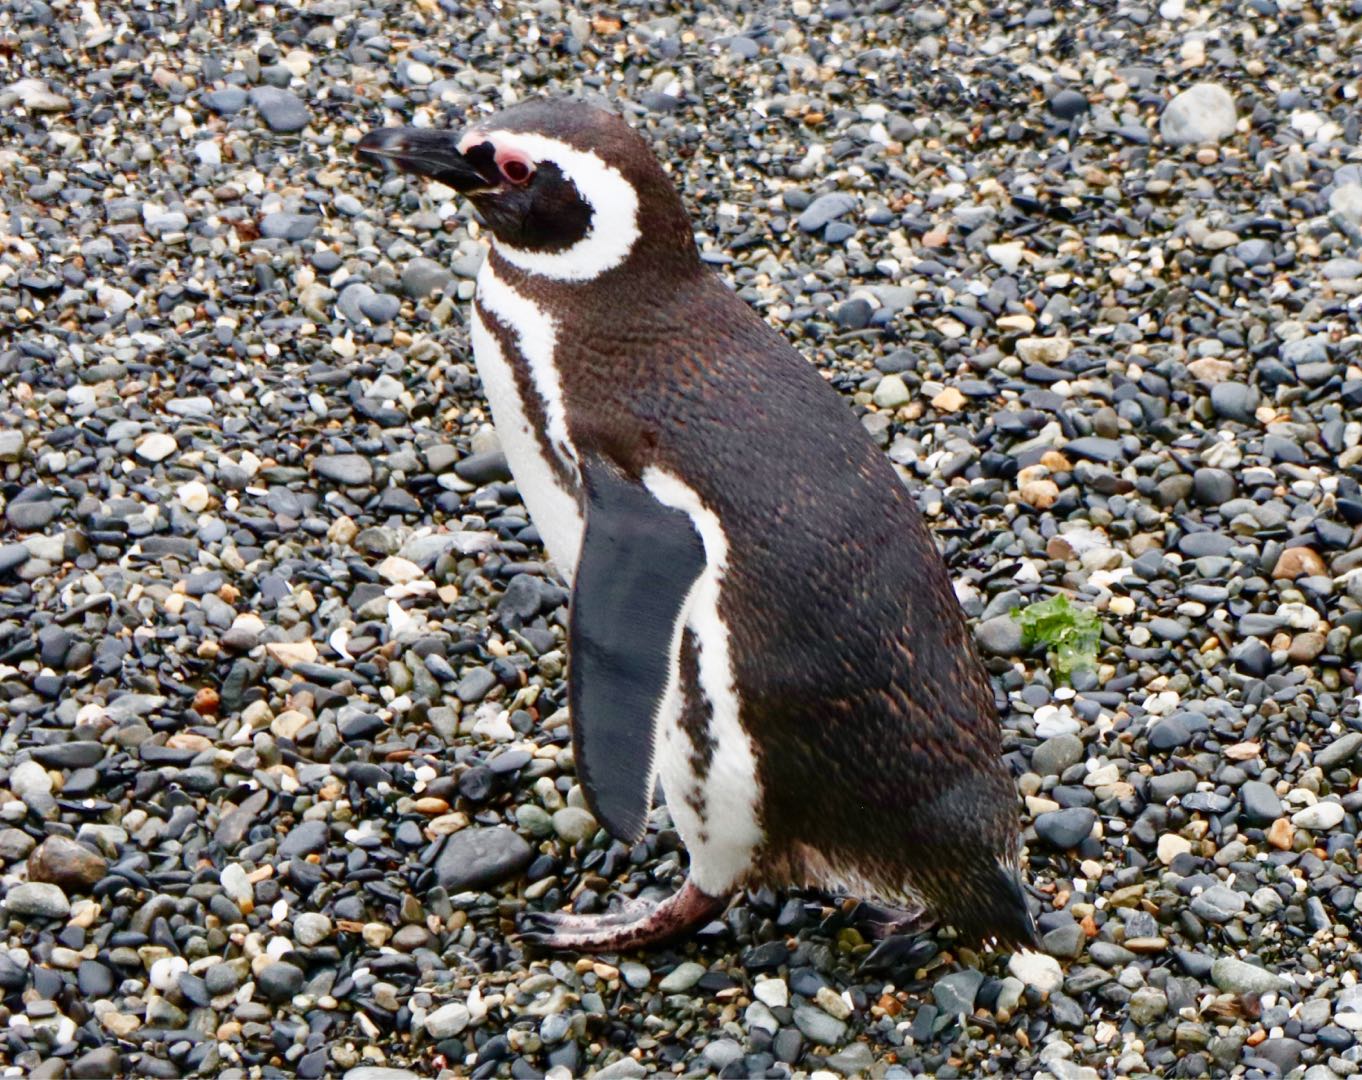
(481,858)
(1068,104)
(1065,829)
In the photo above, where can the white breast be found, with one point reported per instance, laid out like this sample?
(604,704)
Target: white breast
(554,506)
(723,840)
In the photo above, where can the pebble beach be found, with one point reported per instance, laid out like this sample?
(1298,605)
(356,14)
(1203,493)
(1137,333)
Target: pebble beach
(283,741)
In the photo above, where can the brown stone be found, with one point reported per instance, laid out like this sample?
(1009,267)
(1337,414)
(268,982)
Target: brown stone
(1297,562)
(949,400)
(1209,369)
(67,863)
(206,701)
(1305,647)
(189,740)
(411,938)
(1282,834)
(1042,494)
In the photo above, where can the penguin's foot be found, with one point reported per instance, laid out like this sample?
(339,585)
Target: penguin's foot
(637,925)
(882,921)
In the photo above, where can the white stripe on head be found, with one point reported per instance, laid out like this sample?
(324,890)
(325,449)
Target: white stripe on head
(537,335)
(612,198)
(731,829)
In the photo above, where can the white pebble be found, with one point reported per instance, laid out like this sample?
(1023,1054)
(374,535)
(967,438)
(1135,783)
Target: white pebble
(1052,720)
(311,928)
(493,723)
(155,447)
(891,393)
(1038,970)
(448,1020)
(166,972)
(398,570)
(29,779)
(419,74)
(775,993)
(193,496)
(1008,255)
(1204,113)
(235,883)
(1320,817)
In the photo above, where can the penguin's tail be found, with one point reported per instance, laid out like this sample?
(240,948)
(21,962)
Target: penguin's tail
(1015,926)
(987,903)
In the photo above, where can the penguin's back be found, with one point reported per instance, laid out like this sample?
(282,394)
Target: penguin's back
(873,721)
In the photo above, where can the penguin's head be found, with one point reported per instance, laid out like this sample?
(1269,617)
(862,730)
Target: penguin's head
(569,191)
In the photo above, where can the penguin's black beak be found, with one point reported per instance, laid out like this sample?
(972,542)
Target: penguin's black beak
(432,154)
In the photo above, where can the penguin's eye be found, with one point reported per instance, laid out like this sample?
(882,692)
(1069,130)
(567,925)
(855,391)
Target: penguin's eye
(516,170)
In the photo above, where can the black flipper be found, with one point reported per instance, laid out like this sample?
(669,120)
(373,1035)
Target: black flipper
(638,562)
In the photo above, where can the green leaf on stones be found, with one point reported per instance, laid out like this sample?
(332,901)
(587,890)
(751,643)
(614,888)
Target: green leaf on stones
(1070,634)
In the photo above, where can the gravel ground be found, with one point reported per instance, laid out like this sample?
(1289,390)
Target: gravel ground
(283,749)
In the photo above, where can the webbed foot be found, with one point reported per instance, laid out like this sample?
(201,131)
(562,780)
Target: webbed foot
(638,924)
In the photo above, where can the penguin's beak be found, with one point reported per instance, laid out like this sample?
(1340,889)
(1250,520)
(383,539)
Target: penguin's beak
(432,154)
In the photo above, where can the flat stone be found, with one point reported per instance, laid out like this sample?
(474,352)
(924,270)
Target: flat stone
(36,96)
(12,445)
(305,838)
(818,1027)
(824,209)
(1056,754)
(12,556)
(1340,752)
(15,844)
(282,111)
(1040,350)
(954,993)
(856,1060)
(481,858)
(422,276)
(1037,970)
(279,981)
(37,899)
(379,1072)
(1203,113)
(1259,802)
(1065,829)
(352,470)
(682,977)
(1321,817)
(156,446)
(1234,976)
(448,1020)
(225,102)
(1218,904)
(282,225)
(999,636)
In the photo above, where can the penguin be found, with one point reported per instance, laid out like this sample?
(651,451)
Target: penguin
(759,620)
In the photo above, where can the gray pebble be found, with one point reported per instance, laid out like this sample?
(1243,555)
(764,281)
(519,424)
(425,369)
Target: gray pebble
(282,111)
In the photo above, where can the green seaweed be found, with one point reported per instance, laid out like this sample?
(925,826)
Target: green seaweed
(1070,634)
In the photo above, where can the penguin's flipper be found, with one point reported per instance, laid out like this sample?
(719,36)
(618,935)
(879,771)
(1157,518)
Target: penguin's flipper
(638,562)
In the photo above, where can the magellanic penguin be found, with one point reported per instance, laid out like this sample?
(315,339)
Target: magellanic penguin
(759,618)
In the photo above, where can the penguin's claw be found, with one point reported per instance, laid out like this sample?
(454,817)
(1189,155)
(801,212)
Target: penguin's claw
(638,924)
(882,921)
